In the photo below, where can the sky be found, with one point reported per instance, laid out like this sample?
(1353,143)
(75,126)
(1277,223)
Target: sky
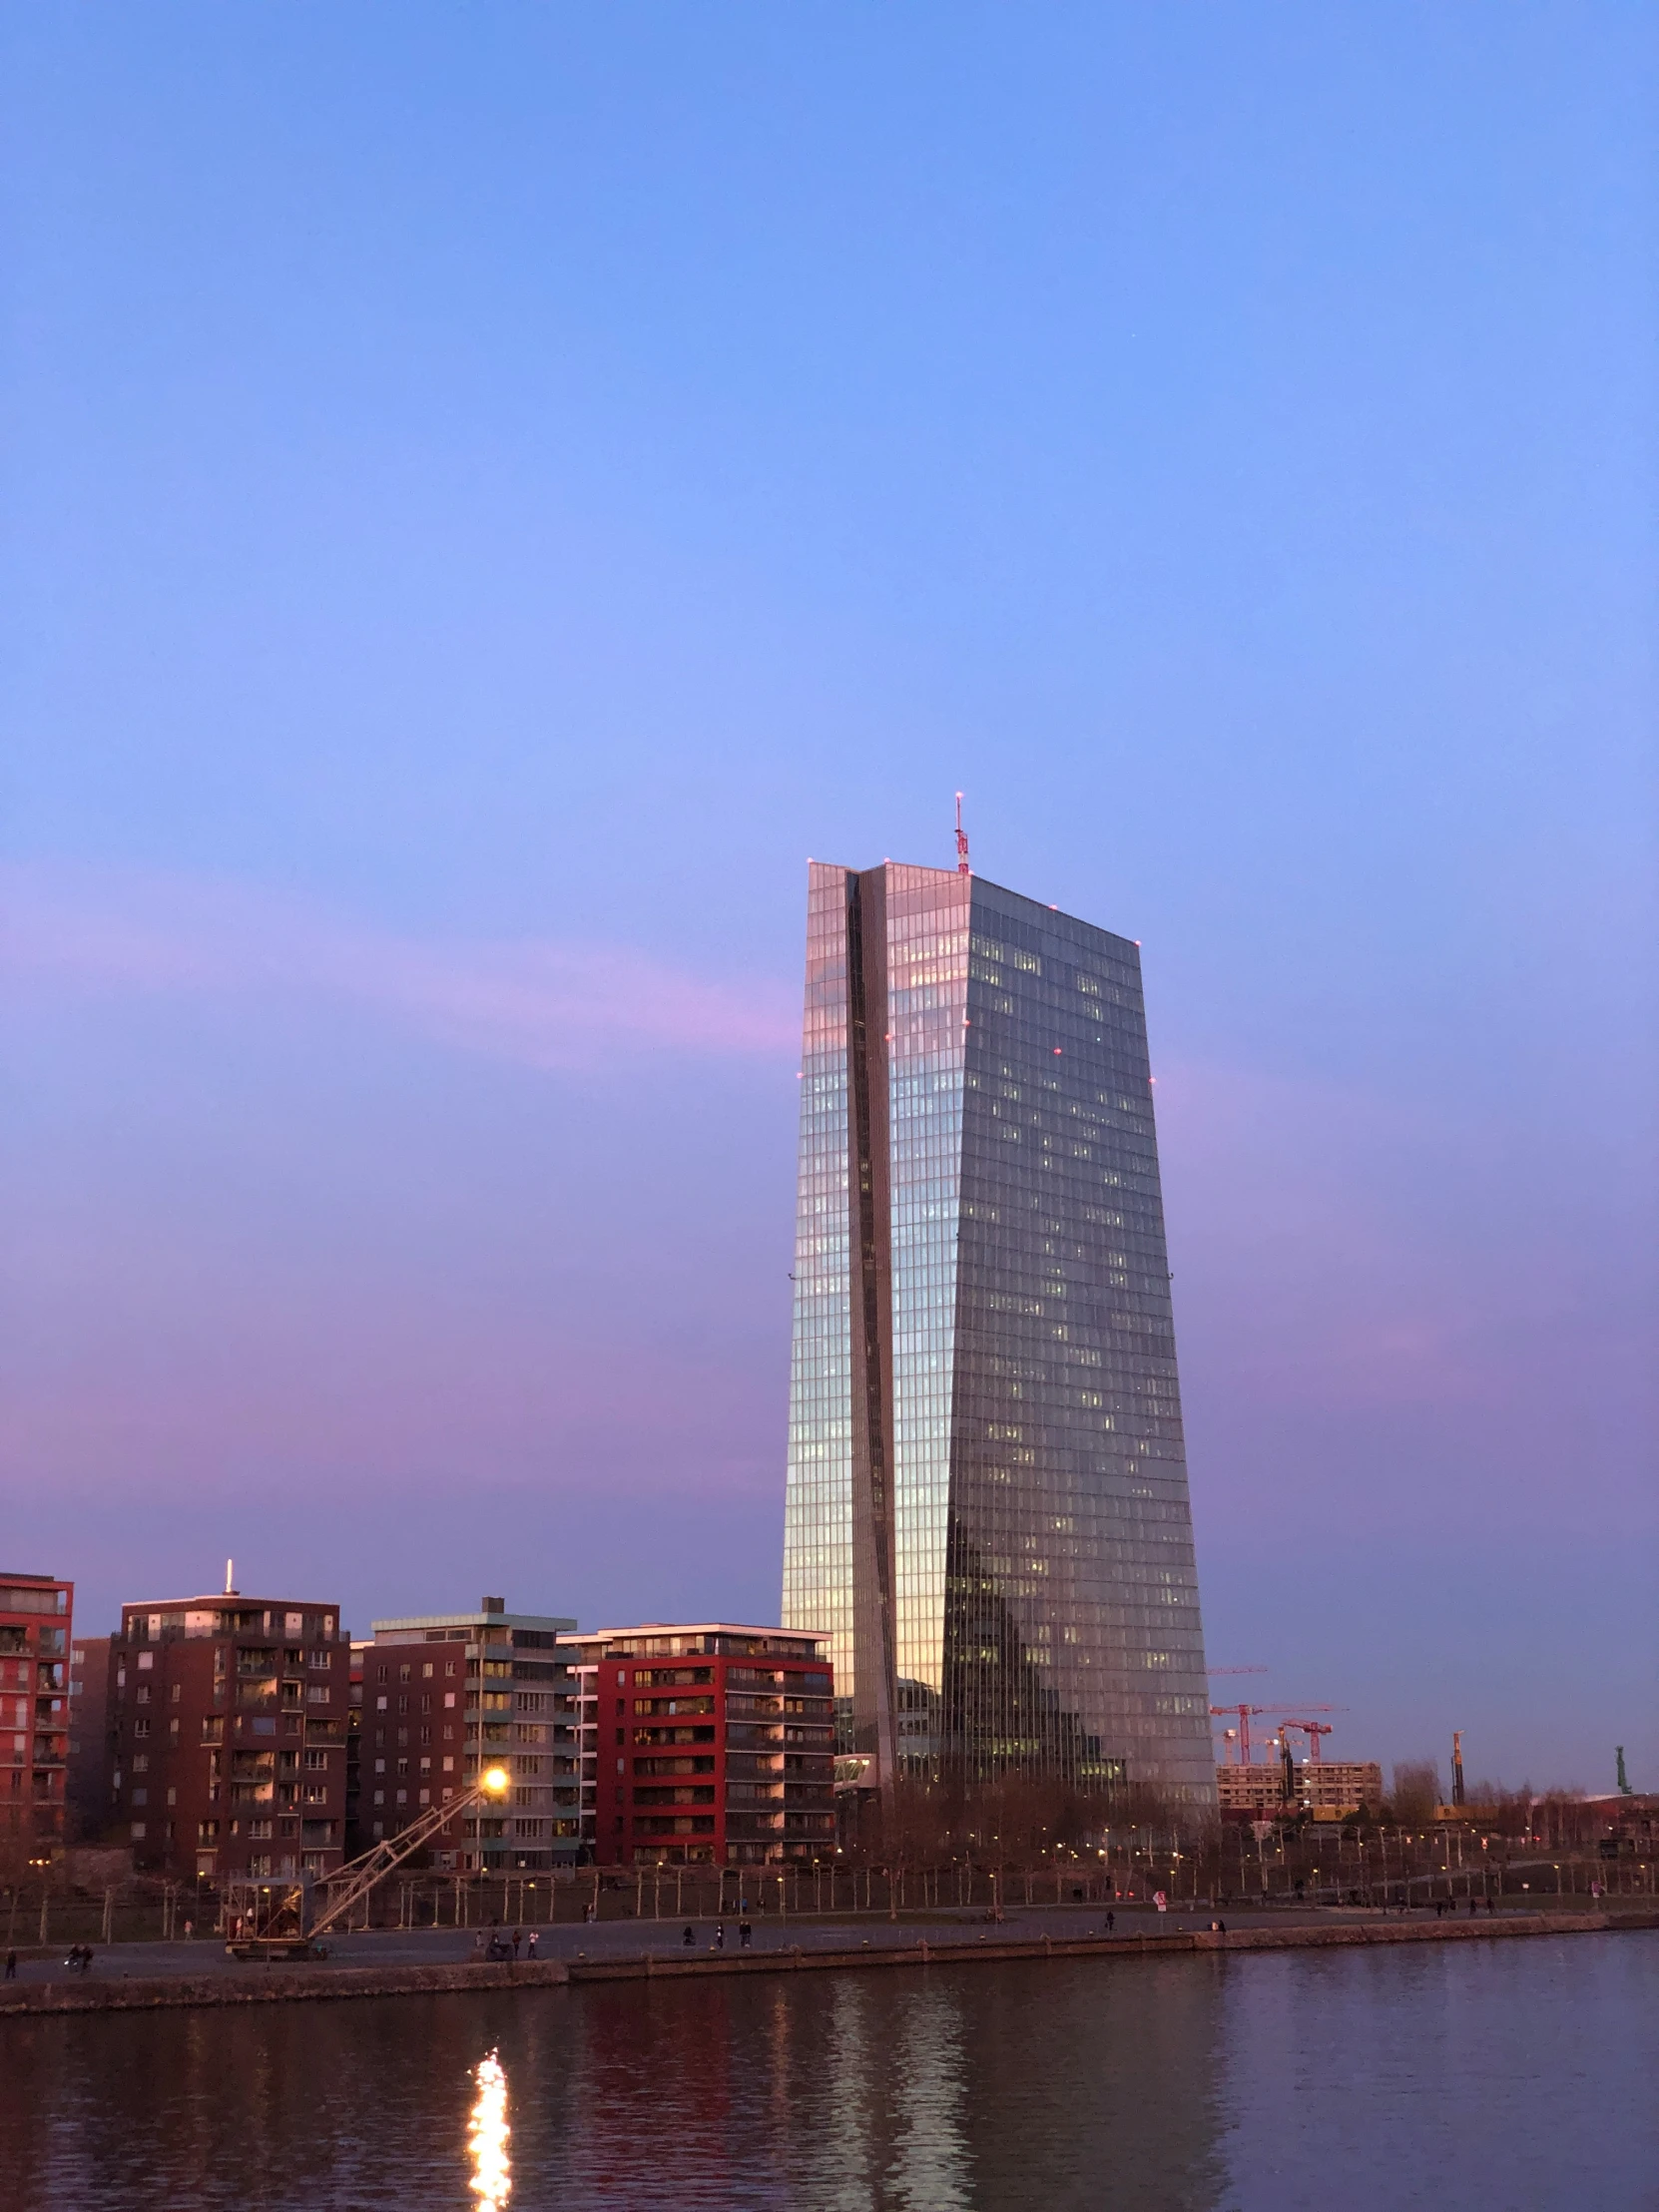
(489,492)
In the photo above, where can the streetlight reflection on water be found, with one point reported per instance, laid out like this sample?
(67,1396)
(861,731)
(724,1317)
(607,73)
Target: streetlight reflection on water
(486,2135)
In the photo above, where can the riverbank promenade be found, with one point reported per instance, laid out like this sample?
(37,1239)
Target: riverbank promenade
(390,1963)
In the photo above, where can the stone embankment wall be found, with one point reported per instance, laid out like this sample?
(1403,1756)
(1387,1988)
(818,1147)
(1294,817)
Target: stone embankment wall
(281,1984)
(268,1985)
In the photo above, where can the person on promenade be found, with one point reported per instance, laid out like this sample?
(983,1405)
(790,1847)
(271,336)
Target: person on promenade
(687,1939)
(11,1966)
(745,1932)
(1111,1920)
(518,1937)
(719,1935)
(533,1936)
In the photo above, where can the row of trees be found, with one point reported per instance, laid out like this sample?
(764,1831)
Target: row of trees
(1016,1822)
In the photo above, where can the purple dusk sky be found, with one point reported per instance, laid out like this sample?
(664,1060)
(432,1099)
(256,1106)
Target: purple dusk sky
(491,493)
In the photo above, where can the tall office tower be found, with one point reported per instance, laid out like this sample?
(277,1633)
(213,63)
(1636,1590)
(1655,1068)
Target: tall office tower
(987,1508)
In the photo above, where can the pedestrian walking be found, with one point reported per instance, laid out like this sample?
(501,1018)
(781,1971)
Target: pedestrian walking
(687,1939)
(745,1932)
(1111,1922)
(533,1936)
(518,1937)
(719,1935)
(11,1966)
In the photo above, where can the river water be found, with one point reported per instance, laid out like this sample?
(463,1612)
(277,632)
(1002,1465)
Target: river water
(1501,2077)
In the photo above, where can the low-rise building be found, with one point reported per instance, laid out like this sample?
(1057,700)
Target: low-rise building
(711,1743)
(36,1617)
(447,1695)
(1327,1787)
(228,1736)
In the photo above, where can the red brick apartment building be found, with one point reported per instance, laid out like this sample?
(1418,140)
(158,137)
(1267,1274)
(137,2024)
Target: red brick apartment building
(442,1696)
(36,1613)
(227,1736)
(706,1745)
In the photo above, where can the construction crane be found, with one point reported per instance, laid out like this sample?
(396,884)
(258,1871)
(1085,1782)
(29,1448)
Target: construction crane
(1313,1730)
(352,1882)
(1241,1734)
(1248,1713)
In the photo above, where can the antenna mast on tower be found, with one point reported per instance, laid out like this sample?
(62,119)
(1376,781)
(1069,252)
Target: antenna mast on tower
(963,868)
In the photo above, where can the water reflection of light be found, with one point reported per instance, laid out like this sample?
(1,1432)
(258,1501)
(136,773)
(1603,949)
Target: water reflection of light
(486,2135)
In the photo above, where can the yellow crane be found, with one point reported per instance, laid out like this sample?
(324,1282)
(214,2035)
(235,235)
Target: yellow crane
(354,1882)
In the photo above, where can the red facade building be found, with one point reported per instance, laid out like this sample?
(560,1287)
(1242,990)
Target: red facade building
(36,1614)
(707,1745)
(227,1736)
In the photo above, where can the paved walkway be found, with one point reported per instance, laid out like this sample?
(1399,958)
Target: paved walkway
(629,1939)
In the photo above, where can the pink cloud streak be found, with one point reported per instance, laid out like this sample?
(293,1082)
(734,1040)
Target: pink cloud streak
(538,1002)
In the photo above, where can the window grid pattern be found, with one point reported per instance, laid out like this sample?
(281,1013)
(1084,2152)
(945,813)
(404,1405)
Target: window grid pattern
(818,1511)
(1074,1641)
(927,972)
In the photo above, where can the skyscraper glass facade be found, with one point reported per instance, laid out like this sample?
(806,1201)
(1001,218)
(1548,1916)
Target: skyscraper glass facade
(987,1507)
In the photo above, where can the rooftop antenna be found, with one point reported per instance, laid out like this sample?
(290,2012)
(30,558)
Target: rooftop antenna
(230,1578)
(963,868)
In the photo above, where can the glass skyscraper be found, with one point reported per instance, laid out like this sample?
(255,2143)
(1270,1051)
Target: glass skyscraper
(987,1507)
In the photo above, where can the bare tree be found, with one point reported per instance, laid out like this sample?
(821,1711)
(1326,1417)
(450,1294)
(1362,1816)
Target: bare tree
(1417,1793)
